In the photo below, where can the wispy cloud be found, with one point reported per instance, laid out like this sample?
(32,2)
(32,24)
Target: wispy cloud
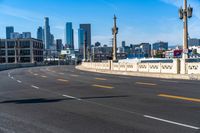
(110,4)
(194,3)
(20,13)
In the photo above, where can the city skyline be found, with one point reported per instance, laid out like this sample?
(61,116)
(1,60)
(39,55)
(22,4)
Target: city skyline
(134,26)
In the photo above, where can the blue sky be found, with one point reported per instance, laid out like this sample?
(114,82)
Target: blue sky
(138,20)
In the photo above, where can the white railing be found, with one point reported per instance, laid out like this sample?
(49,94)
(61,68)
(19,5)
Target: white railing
(193,68)
(176,67)
(172,68)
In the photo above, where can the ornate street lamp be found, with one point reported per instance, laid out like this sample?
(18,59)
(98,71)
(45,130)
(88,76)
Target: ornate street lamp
(184,14)
(115,32)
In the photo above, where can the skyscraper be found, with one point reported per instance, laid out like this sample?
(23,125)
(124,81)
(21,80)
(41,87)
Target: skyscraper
(47,34)
(81,39)
(59,45)
(40,33)
(87,29)
(69,35)
(9,30)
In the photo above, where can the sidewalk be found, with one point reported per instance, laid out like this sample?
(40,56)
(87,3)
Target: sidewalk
(142,74)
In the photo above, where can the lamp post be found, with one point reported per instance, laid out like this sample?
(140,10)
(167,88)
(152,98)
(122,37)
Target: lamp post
(0,52)
(115,32)
(184,14)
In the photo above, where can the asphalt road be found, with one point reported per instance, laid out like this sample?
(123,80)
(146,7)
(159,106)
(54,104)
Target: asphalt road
(62,99)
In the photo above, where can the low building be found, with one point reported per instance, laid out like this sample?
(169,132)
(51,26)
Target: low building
(194,42)
(21,50)
(160,46)
(176,53)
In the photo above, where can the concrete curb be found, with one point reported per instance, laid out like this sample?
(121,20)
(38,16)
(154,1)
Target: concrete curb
(141,74)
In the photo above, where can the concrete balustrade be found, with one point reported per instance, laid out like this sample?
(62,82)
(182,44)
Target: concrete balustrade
(193,68)
(176,67)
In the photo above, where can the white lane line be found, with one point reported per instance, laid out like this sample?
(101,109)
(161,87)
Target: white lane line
(171,122)
(12,78)
(19,81)
(71,97)
(33,86)
(61,73)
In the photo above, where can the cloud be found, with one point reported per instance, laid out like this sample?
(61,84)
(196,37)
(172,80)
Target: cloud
(194,3)
(20,13)
(110,4)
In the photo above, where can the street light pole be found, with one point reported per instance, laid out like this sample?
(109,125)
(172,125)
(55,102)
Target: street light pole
(184,14)
(0,52)
(115,32)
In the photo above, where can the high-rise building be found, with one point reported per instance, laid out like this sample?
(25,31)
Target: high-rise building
(87,29)
(9,30)
(81,39)
(160,46)
(40,33)
(69,35)
(123,44)
(47,34)
(26,35)
(59,45)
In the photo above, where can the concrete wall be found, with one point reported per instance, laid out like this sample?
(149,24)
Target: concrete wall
(20,65)
(176,67)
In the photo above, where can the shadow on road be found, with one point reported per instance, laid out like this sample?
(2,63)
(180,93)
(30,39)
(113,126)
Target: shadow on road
(33,101)
(104,97)
(43,100)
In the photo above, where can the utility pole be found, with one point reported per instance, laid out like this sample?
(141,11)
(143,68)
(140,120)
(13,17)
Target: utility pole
(114,32)
(184,14)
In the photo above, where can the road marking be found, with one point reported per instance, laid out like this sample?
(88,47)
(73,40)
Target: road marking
(102,79)
(170,81)
(142,83)
(53,71)
(63,80)
(102,86)
(179,97)
(36,74)
(34,87)
(61,73)
(72,97)
(73,75)
(19,81)
(44,76)
(12,78)
(171,122)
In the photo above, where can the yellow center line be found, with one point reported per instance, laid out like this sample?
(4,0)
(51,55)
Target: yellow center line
(103,86)
(63,80)
(179,97)
(142,83)
(43,76)
(103,79)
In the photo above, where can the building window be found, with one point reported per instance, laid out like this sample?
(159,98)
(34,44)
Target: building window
(11,44)
(25,44)
(11,59)
(11,52)
(25,52)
